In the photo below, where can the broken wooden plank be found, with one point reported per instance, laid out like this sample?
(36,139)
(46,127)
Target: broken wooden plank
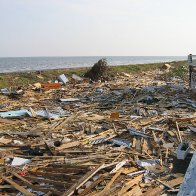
(175,182)
(178,131)
(129,185)
(105,191)
(153,191)
(91,187)
(18,187)
(68,145)
(85,178)
(21,178)
(136,191)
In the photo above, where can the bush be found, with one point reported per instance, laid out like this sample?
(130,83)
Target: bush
(99,71)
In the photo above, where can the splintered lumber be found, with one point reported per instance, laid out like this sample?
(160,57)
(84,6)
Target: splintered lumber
(86,177)
(186,119)
(153,191)
(49,193)
(83,180)
(108,186)
(178,131)
(130,184)
(136,191)
(7,121)
(165,184)
(21,178)
(68,145)
(82,151)
(45,189)
(128,170)
(96,182)
(64,122)
(6,186)
(4,140)
(58,183)
(18,187)
(175,182)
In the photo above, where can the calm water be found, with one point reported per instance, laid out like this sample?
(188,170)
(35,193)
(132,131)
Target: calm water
(15,64)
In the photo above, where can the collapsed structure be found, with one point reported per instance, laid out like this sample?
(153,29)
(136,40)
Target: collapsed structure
(131,135)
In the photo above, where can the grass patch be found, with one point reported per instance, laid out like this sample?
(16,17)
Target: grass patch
(25,78)
(179,69)
(137,68)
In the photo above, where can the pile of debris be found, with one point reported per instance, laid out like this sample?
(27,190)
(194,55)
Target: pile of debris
(99,71)
(134,135)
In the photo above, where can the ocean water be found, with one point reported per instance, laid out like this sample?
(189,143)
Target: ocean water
(16,64)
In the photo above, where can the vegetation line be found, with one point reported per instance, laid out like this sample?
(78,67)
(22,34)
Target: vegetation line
(25,78)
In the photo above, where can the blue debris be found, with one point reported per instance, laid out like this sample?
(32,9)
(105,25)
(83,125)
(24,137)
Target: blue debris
(15,114)
(133,131)
(120,142)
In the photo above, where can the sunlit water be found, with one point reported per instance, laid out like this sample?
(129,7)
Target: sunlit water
(15,64)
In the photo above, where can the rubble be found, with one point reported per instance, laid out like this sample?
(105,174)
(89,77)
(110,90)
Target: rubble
(74,139)
(99,71)
(166,67)
(62,78)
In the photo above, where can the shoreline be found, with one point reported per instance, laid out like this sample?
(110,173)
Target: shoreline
(13,79)
(87,125)
(23,64)
(85,67)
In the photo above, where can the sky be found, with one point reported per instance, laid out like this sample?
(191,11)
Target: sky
(97,27)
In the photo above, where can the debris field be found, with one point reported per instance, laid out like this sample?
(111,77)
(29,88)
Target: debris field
(130,135)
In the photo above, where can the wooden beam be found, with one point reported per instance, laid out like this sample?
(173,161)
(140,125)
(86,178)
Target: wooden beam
(18,187)
(83,180)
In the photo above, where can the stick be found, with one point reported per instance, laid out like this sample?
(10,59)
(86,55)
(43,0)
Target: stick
(178,131)
(18,187)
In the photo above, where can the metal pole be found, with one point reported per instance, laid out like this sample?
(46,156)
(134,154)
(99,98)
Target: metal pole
(190,60)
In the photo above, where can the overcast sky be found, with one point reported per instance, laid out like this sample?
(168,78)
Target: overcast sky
(97,27)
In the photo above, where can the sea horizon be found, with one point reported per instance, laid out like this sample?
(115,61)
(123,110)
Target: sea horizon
(20,64)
